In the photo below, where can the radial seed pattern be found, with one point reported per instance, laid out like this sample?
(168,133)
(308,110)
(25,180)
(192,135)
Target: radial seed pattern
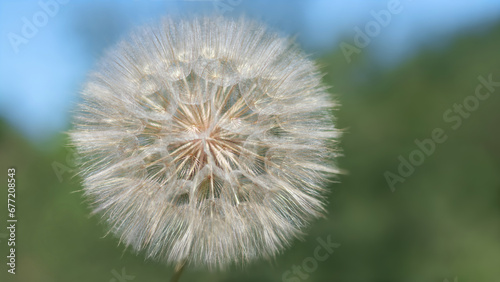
(206,140)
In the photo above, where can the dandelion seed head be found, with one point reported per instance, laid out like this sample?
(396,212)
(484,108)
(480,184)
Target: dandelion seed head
(207,140)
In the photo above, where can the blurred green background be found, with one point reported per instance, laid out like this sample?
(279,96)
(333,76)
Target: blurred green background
(442,222)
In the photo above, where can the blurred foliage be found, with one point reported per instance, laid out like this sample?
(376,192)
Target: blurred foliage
(442,222)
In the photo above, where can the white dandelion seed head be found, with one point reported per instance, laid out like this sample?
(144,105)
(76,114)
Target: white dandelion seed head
(207,141)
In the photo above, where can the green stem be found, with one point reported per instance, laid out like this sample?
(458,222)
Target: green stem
(179,268)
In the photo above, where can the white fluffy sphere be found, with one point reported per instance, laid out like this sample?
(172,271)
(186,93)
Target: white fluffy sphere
(206,141)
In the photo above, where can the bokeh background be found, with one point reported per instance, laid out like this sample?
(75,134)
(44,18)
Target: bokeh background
(442,223)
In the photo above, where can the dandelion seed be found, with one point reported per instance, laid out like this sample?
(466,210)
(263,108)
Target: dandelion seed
(206,141)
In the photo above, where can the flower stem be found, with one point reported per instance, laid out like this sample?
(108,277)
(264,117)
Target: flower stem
(178,271)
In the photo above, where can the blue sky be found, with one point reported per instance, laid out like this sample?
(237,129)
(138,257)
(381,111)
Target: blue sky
(39,83)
